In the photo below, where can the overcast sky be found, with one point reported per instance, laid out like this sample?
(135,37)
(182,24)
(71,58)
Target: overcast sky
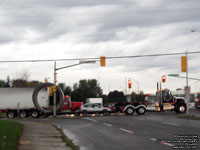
(68,29)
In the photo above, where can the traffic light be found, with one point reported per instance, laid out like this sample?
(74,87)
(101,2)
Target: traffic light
(103,61)
(183,63)
(163,78)
(129,84)
(54,88)
(50,91)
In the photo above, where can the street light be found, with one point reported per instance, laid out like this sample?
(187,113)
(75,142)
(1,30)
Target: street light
(55,76)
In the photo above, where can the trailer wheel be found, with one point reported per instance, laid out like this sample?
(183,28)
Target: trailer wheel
(11,114)
(141,110)
(35,114)
(23,114)
(181,108)
(129,111)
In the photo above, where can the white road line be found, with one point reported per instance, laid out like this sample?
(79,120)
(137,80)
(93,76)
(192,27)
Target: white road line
(164,143)
(128,131)
(91,119)
(168,144)
(168,123)
(152,139)
(110,125)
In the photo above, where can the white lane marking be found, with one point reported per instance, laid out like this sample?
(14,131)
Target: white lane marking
(168,123)
(152,139)
(139,118)
(128,131)
(168,144)
(110,125)
(164,143)
(91,119)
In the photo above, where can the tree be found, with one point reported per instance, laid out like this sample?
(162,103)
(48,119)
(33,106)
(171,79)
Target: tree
(138,97)
(116,96)
(2,83)
(86,89)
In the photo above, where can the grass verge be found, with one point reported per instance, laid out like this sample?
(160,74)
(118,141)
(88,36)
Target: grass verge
(67,140)
(10,133)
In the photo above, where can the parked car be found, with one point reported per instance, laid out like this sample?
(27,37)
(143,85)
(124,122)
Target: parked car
(94,108)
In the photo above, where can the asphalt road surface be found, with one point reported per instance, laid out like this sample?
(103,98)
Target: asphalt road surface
(138,132)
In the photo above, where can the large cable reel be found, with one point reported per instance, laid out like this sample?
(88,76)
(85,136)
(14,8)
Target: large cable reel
(35,97)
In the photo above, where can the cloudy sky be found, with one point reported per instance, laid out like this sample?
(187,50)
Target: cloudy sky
(68,29)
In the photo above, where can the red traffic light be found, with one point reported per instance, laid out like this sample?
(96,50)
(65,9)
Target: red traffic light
(129,84)
(163,78)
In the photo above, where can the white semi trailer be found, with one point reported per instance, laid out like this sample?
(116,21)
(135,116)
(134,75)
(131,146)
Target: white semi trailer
(18,101)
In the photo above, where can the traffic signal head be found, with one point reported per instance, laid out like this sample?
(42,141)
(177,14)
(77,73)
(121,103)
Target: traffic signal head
(103,61)
(129,84)
(163,78)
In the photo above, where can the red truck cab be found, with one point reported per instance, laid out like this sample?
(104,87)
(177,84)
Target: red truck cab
(68,105)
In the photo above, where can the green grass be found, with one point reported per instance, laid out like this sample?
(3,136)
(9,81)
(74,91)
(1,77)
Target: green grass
(67,140)
(10,133)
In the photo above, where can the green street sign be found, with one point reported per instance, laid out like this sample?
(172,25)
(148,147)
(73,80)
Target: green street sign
(173,75)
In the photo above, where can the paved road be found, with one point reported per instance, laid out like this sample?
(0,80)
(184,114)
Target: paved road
(126,132)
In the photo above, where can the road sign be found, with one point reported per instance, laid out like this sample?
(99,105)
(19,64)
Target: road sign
(173,75)
(187,89)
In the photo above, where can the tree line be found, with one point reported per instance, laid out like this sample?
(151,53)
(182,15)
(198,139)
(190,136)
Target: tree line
(79,92)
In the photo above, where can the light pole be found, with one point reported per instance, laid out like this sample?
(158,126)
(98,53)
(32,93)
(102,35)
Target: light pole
(55,78)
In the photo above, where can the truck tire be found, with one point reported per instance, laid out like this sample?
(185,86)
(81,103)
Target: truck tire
(105,112)
(11,114)
(141,110)
(181,108)
(129,111)
(35,114)
(85,113)
(23,114)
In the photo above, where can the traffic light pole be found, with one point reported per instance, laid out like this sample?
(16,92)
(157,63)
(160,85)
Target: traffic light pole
(54,95)
(187,92)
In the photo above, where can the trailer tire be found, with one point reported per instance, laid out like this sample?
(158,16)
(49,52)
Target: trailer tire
(11,114)
(181,108)
(129,111)
(35,114)
(141,110)
(23,114)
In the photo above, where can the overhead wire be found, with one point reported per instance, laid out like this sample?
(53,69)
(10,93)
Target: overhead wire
(98,58)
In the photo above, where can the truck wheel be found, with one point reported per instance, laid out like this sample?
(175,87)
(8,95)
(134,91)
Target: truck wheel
(23,114)
(105,112)
(129,111)
(11,114)
(181,108)
(34,114)
(141,110)
(85,113)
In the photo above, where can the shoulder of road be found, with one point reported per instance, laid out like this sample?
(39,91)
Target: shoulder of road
(39,136)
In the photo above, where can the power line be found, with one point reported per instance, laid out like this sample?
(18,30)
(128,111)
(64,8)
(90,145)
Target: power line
(98,4)
(185,10)
(98,58)
(104,34)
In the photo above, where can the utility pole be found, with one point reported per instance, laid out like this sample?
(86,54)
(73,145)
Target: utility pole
(187,90)
(54,95)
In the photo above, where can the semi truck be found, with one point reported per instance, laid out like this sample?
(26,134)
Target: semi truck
(165,100)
